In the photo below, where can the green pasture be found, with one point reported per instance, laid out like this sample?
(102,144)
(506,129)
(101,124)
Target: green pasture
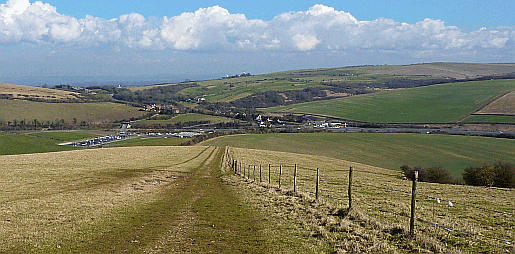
(390,151)
(42,111)
(430,104)
(64,135)
(489,119)
(184,118)
(144,141)
(24,144)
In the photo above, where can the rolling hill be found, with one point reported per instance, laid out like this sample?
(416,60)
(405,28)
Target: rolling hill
(230,89)
(43,111)
(443,103)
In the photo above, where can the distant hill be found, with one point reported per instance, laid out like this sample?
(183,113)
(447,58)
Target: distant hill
(52,112)
(10,91)
(443,103)
(314,84)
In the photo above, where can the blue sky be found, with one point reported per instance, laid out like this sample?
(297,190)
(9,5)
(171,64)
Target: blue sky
(131,38)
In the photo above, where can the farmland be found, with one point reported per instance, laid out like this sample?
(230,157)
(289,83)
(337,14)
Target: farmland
(431,104)
(89,112)
(383,150)
(184,118)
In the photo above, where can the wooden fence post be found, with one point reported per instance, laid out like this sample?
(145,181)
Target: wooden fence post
(254,173)
(295,179)
(248,172)
(280,174)
(413,201)
(317,184)
(269,174)
(350,188)
(260,179)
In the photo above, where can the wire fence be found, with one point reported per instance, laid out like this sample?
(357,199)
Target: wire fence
(338,185)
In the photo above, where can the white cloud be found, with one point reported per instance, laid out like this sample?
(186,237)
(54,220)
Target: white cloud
(320,27)
(305,41)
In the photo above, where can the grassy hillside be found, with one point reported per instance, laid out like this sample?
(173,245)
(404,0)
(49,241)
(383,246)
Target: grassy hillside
(134,200)
(30,92)
(184,118)
(505,105)
(24,144)
(42,111)
(389,151)
(480,220)
(220,90)
(489,119)
(431,104)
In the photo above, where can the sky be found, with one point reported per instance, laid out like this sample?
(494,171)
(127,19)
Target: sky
(57,41)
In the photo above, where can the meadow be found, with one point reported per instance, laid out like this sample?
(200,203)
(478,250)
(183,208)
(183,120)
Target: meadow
(431,104)
(450,218)
(24,144)
(43,112)
(134,200)
(385,150)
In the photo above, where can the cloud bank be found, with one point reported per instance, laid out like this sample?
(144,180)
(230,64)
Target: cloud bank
(321,28)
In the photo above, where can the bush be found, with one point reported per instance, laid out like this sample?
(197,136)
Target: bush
(433,174)
(501,174)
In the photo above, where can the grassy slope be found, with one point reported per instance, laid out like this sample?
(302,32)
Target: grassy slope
(134,200)
(187,118)
(489,119)
(64,136)
(431,104)
(90,112)
(36,92)
(381,200)
(24,144)
(383,150)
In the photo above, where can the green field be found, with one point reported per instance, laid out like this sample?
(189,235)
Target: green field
(64,135)
(489,119)
(384,150)
(141,141)
(89,112)
(187,118)
(430,104)
(24,144)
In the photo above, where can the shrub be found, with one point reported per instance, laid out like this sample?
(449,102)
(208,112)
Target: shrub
(504,175)
(500,174)
(433,174)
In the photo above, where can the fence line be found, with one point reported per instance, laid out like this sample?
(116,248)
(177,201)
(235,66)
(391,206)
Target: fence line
(281,179)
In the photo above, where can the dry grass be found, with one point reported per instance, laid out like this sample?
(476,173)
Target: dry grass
(381,199)
(50,200)
(503,106)
(24,92)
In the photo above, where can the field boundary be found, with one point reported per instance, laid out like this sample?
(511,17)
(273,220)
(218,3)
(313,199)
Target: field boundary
(307,181)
